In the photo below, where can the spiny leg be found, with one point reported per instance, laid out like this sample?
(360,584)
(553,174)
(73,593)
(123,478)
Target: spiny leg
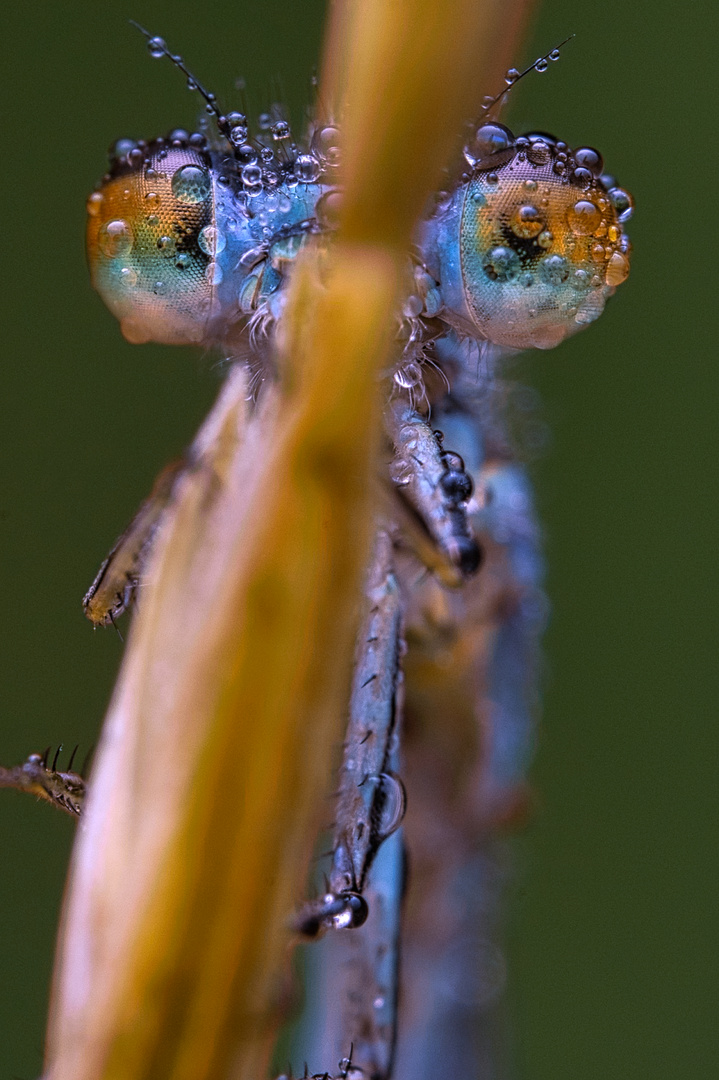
(66,790)
(352,978)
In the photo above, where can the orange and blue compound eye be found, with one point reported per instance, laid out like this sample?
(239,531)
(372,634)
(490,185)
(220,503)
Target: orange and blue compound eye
(530,247)
(151,242)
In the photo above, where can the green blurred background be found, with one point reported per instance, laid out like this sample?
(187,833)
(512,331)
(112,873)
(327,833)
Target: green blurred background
(614,925)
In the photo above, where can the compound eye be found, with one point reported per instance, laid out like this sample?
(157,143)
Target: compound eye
(145,231)
(542,244)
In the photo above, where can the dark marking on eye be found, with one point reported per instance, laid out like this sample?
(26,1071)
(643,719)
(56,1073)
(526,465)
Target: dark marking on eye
(527,248)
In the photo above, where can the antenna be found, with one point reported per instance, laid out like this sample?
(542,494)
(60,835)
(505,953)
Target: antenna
(157,48)
(513,76)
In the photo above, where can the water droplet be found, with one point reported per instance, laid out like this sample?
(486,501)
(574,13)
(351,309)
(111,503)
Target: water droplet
(580,279)
(326,142)
(617,269)
(492,178)
(597,252)
(587,157)
(211,240)
(213,273)
(581,178)
(554,269)
(94,203)
(115,239)
(584,217)
(488,139)
(527,280)
(238,135)
(413,306)
(530,185)
(156,47)
(622,202)
(159,288)
(353,914)
(327,208)
(400,472)
(183,261)
(554,55)
(251,176)
(545,239)
(526,222)
(408,376)
(501,264)
(541,65)
(246,154)
(191,84)
(538,152)
(307,168)
(128,276)
(152,220)
(191,185)
(281,131)
(166,244)
(121,148)
(152,200)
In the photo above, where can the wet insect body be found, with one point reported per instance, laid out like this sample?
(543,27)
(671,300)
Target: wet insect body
(192,239)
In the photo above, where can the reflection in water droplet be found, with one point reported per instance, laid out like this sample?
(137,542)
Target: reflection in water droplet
(94,203)
(156,47)
(526,222)
(251,176)
(307,168)
(327,208)
(353,914)
(488,139)
(584,217)
(213,273)
(554,269)
(394,804)
(622,203)
(408,376)
(211,240)
(191,185)
(501,264)
(115,238)
(617,269)
(539,153)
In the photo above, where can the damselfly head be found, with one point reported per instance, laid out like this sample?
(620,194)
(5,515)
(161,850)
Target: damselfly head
(151,238)
(542,241)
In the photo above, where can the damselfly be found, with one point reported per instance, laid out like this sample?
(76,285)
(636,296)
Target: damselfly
(192,238)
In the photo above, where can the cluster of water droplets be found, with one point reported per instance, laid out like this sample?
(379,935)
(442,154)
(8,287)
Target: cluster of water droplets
(598,211)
